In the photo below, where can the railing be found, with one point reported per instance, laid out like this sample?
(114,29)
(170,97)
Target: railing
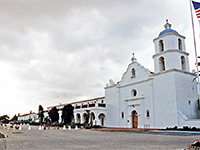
(101,105)
(78,107)
(91,105)
(84,106)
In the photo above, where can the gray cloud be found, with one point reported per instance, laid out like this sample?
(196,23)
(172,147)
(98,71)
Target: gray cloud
(59,51)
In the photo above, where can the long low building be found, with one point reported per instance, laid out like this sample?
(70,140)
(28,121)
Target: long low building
(96,107)
(167,97)
(28,117)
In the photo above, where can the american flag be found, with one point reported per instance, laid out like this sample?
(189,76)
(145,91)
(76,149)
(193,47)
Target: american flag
(197,8)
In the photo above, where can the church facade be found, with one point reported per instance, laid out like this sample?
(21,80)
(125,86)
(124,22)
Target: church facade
(164,98)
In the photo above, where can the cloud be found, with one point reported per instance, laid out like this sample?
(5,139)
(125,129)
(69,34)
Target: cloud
(53,52)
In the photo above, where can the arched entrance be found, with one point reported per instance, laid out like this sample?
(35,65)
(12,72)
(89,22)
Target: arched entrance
(102,119)
(134,115)
(92,118)
(78,118)
(85,118)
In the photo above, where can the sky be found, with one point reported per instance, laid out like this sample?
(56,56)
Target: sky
(55,52)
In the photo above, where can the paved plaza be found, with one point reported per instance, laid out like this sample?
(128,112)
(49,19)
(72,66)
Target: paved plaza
(91,140)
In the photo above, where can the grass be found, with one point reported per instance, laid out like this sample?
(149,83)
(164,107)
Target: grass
(2,135)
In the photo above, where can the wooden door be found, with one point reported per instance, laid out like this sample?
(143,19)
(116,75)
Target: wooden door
(135,121)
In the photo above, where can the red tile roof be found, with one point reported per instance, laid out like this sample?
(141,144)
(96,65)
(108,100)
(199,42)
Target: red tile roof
(27,114)
(76,102)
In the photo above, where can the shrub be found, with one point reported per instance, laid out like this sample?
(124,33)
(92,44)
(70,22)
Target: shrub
(2,135)
(175,128)
(194,129)
(88,127)
(72,124)
(55,124)
(185,128)
(96,126)
(34,123)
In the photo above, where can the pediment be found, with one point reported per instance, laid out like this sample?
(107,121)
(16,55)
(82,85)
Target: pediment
(135,73)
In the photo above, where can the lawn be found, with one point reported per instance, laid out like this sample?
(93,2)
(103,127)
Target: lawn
(2,135)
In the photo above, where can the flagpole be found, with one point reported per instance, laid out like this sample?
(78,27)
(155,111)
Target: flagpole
(195,48)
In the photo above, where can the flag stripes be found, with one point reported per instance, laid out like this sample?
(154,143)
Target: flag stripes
(197,8)
(198,13)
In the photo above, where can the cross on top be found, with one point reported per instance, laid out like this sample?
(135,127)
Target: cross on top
(167,25)
(133,59)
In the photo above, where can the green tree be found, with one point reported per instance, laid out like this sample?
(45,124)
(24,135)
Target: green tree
(67,114)
(53,114)
(4,119)
(41,113)
(14,118)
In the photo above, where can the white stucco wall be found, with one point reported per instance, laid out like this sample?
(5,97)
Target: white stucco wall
(112,105)
(27,117)
(172,60)
(120,98)
(141,74)
(139,103)
(170,42)
(165,99)
(171,54)
(186,90)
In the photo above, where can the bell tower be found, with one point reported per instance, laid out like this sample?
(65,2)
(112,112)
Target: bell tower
(170,52)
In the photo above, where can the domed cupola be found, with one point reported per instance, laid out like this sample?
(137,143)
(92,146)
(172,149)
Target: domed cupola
(167,29)
(170,51)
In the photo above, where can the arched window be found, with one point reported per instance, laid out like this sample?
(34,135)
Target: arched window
(147,113)
(161,46)
(122,114)
(162,63)
(134,92)
(183,64)
(189,102)
(180,44)
(133,73)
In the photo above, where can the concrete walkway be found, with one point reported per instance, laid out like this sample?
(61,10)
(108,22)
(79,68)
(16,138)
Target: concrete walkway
(149,131)
(90,140)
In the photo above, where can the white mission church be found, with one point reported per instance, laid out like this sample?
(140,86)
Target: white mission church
(164,98)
